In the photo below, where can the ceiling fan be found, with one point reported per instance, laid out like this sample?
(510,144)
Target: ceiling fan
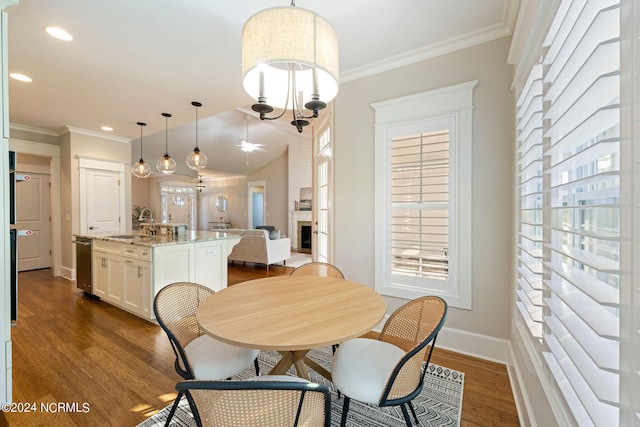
(247,146)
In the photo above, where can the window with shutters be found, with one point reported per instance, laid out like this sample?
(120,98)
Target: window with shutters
(582,209)
(529,202)
(423,141)
(569,212)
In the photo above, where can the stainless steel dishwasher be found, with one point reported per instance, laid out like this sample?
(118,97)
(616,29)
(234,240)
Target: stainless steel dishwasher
(83,264)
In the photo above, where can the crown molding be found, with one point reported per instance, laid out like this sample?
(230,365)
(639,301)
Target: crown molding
(31,129)
(7,3)
(79,131)
(463,41)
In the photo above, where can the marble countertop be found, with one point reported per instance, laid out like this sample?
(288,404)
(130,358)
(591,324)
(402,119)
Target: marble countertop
(191,236)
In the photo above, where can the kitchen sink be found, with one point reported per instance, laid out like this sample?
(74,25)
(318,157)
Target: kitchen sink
(128,236)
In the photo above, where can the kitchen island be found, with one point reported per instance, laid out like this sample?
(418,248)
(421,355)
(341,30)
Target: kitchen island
(128,270)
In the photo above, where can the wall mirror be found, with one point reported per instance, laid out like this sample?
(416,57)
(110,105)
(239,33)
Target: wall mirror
(221,203)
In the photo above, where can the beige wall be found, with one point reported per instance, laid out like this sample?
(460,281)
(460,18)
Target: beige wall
(146,192)
(75,144)
(492,171)
(141,193)
(235,190)
(277,193)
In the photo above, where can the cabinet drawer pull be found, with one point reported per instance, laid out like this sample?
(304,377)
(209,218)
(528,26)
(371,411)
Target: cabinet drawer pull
(128,261)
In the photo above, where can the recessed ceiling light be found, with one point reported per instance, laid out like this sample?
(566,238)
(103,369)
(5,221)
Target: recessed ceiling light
(20,77)
(107,128)
(58,33)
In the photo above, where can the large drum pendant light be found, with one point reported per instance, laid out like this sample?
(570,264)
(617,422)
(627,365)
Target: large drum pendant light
(289,61)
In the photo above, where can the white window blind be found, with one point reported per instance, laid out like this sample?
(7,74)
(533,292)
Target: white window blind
(420,205)
(581,213)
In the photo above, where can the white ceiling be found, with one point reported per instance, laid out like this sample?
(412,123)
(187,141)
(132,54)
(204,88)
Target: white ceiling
(132,61)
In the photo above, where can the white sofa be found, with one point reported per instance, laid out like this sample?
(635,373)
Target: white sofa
(255,246)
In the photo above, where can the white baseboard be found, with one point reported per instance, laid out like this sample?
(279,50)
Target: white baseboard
(525,415)
(476,345)
(469,343)
(68,273)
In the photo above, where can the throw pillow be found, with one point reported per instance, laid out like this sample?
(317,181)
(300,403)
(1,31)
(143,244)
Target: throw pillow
(274,235)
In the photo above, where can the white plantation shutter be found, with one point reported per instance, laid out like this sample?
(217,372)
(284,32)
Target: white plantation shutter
(529,202)
(581,213)
(420,205)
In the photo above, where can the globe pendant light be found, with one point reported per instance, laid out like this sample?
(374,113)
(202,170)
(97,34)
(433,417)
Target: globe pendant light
(289,56)
(196,160)
(141,169)
(166,164)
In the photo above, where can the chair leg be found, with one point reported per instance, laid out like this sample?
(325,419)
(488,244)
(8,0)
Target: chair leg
(405,414)
(173,409)
(413,411)
(345,409)
(255,364)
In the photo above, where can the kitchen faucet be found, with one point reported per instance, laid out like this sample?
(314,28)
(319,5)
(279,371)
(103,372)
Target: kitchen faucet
(142,216)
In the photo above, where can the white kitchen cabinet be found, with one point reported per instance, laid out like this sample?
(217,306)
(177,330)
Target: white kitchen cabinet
(137,287)
(211,264)
(100,277)
(173,263)
(129,276)
(122,276)
(115,289)
(107,270)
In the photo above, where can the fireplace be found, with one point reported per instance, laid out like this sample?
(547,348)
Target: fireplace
(304,236)
(298,218)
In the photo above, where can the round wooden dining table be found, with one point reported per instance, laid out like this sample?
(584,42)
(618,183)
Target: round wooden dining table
(291,315)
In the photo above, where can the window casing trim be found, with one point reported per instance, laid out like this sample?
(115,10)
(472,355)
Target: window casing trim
(453,103)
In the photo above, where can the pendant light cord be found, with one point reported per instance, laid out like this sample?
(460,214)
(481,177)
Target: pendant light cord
(196,104)
(166,133)
(141,125)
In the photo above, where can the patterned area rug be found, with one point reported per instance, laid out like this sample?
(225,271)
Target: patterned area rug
(439,404)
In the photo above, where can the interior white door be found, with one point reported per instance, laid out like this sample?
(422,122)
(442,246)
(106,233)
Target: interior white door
(33,213)
(103,202)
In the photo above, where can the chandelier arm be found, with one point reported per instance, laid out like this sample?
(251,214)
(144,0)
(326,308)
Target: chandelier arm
(284,110)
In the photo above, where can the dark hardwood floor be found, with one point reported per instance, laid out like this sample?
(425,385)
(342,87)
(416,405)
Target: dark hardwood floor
(82,362)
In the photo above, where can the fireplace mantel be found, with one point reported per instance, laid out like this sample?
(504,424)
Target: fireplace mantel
(296,217)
